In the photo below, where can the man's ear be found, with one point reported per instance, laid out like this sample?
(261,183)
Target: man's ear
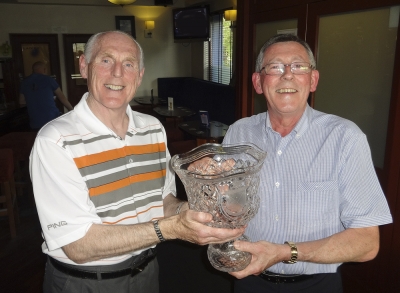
(83,66)
(141,73)
(314,80)
(256,78)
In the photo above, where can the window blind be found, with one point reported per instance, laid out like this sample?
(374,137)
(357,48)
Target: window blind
(218,51)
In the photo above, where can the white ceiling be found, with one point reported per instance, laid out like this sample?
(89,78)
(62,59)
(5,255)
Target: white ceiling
(76,2)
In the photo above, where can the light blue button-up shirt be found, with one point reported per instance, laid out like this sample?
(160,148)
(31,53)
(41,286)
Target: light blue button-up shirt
(315,182)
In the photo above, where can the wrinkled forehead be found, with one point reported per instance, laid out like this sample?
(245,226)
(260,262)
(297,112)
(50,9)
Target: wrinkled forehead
(117,43)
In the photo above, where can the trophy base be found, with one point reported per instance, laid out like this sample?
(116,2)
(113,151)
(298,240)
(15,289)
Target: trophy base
(226,258)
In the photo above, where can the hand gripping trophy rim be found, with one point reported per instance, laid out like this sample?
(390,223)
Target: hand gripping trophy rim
(230,195)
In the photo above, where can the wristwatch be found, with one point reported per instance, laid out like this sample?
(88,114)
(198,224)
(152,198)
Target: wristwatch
(293,250)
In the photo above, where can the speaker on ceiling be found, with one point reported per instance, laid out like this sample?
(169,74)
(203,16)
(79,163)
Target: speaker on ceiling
(163,2)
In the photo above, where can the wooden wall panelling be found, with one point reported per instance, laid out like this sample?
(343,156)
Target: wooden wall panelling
(392,172)
(249,52)
(371,276)
(11,82)
(244,35)
(265,5)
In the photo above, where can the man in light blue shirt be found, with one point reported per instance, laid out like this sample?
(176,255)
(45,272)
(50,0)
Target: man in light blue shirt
(321,202)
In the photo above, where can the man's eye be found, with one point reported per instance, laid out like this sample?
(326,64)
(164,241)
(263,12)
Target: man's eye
(300,66)
(274,66)
(131,65)
(106,60)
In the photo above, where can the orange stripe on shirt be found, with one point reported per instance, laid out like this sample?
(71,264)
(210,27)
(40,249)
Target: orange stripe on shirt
(114,154)
(125,182)
(131,217)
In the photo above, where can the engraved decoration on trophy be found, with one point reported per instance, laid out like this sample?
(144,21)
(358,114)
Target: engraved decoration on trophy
(223,180)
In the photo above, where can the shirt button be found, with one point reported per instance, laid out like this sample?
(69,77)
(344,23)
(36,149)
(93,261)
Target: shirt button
(130,161)
(277,218)
(297,135)
(279,152)
(277,184)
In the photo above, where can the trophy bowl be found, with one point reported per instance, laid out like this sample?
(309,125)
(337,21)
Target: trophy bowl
(224,185)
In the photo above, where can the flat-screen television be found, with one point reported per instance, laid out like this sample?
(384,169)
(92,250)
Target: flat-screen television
(191,24)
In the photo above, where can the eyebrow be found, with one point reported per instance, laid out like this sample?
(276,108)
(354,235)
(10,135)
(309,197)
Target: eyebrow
(111,55)
(296,58)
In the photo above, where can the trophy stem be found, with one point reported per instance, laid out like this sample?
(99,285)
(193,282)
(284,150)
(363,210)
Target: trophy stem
(226,258)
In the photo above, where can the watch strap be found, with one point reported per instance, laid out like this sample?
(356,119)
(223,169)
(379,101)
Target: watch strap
(158,231)
(293,251)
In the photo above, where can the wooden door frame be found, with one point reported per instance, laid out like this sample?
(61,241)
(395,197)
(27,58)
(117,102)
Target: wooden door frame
(389,174)
(69,59)
(246,40)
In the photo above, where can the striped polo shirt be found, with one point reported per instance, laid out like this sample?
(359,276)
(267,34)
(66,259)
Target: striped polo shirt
(83,173)
(315,182)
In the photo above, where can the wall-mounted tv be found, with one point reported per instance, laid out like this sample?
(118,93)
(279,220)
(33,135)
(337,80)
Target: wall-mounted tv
(191,24)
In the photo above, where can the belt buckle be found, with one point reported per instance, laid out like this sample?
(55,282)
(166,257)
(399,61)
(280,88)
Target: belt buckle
(137,270)
(145,261)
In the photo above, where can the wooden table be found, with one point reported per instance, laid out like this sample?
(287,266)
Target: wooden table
(178,112)
(146,100)
(214,133)
(175,115)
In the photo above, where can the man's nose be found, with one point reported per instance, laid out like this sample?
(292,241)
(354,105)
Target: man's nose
(117,69)
(287,72)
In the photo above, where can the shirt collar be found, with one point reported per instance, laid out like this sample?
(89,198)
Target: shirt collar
(92,123)
(301,126)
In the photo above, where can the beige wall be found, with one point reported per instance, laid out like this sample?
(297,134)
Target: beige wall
(356,60)
(264,31)
(163,57)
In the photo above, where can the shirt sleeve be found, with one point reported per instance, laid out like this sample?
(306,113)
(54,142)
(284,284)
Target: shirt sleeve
(363,202)
(54,84)
(64,208)
(169,186)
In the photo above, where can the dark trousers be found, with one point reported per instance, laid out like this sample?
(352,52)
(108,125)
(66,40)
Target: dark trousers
(320,283)
(146,281)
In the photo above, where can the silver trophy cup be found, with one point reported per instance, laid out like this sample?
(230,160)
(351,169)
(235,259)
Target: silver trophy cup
(223,180)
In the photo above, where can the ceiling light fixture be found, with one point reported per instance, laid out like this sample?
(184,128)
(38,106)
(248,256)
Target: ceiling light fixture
(122,2)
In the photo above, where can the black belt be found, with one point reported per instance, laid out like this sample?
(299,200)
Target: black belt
(278,278)
(143,259)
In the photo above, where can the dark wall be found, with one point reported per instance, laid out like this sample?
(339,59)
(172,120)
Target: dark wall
(197,94)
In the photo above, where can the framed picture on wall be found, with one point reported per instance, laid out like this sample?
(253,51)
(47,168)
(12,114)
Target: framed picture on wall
(126,24)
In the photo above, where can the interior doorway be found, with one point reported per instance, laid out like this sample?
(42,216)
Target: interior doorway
(29,48)
(74,45)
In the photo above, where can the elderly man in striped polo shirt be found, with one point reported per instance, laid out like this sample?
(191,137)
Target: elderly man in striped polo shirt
(103,186)
(321,202)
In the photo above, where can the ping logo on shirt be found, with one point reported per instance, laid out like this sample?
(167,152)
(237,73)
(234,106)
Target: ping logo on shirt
(56,225)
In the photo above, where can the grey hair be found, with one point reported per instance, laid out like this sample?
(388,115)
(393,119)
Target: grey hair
(94,40)
(281,39)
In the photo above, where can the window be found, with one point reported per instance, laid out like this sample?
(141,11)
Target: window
(218,51)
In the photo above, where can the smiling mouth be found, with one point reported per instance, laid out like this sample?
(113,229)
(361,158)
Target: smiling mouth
(282,91)
(114,87)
